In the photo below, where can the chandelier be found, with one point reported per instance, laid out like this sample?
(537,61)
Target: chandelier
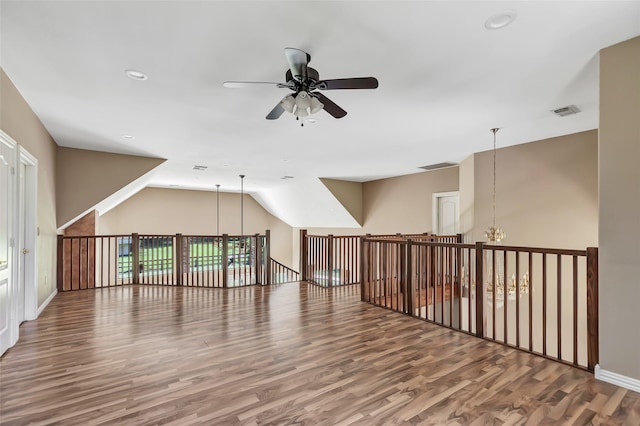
(512,287)
(493,233)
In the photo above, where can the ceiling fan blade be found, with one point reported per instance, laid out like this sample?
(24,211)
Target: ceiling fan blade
(243,84)
(348,83)
(298,61)
(276,112)
(329,106)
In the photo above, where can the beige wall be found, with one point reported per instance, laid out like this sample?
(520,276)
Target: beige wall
(398,204)
(403,203)
(350,195)
(172,211)
(547,192)
(619,149)
(85,178)
(547,195)
(467,198)
(18,121)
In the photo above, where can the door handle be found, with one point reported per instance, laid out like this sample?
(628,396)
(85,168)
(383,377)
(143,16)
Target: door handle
(26,251)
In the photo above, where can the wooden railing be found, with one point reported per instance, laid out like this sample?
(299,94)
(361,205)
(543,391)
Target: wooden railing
(329,260)
(543,301)
(282,274)
(185,260)
(332,260)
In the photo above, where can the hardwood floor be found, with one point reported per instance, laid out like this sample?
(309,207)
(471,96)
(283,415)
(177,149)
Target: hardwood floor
(288,354)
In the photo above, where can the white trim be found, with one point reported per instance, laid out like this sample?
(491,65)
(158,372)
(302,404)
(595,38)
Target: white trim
(9,334)
(617,379)
(46,302)
(30,218)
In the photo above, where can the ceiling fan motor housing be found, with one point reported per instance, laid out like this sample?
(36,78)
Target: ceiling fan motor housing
(307,84)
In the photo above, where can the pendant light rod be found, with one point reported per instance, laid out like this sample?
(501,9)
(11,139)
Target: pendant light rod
(494,131)
(217,209)
(241,204)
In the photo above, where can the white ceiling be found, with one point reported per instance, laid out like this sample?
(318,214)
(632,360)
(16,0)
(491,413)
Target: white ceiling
(445,80)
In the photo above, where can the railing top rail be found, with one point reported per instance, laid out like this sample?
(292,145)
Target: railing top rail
(398,236)
(284,266)
(332,236)
(160,236)
(99,236)
(221,236)
(537,250)
(541,250)
(421,242)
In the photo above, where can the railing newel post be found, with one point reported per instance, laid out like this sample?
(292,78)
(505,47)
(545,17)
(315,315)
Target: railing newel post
(135,254)
(409,277)
(593,341)
(304,253)
(225,260)
(330,260)
(363,265)
(177,259)
(267,256)
(60,262)
(480,295)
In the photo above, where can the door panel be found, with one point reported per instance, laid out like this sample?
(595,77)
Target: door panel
(446,213)
(7,238)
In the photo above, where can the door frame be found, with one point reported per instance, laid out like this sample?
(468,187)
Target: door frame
(435,211)
(9,334)
(28,264)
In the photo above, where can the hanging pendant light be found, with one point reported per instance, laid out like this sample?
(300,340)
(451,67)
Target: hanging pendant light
(217,209)
(241,204)
(494,234)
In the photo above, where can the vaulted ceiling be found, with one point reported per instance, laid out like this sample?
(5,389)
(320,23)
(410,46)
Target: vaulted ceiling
(445,80)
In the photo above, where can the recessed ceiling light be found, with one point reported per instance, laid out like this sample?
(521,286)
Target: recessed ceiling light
(500,20)
(135,74)
(311,120)
(128,137)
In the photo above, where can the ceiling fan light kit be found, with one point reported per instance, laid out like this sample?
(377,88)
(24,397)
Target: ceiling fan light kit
(304,82)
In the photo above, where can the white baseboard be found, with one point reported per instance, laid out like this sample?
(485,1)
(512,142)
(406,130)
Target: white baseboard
(617,379)
(46,302)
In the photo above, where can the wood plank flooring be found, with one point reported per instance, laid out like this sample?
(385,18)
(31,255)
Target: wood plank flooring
(280,355)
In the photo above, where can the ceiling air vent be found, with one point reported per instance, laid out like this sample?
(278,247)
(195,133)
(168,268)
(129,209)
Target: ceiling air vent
(439,165)
(564,111)
(200,168)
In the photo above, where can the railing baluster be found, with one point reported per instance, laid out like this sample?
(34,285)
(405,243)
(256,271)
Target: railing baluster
(451,287)
(505,297)
(559,304)
(544,303)
(517,260)
(575,310)
(530,302)
(494,274)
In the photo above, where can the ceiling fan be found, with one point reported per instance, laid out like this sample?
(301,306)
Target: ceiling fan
(305,82)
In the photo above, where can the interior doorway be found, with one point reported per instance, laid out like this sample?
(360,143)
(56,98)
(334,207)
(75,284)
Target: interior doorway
(27,298)
(446,213)
(18,239)
(8,325)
